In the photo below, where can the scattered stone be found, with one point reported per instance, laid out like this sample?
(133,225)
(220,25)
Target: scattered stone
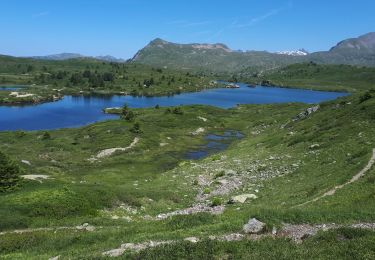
(306,113)
(202,118)
(36,177)
(109,152)
(243,197)
(192,239)
(26,162)
(55,258)
(86,227)
(163,144)
(198,208)
(274,230)
(198,131)
(134,247)
(314,146)
(254,226)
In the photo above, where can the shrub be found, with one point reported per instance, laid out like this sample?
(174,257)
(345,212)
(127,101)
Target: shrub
(206,191)
(219,174)
(365,97)
(136,128)
(46,135)
(216,202)
(178,111)
(9,173)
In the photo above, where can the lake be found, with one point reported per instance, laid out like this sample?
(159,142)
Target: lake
(75,111)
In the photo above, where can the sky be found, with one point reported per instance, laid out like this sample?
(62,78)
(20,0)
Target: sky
(122,27)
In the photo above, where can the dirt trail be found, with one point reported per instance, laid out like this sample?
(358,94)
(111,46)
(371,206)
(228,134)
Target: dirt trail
(110,151)
(297,233)
(353,179)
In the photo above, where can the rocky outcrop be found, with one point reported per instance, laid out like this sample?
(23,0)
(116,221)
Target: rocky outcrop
(254,226)
(306,113)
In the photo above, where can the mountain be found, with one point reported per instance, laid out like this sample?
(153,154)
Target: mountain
(209,57)
(68,56)
(362,44)
(220,58)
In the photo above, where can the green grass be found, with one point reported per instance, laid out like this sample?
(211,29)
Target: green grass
(315,76)
(153,179)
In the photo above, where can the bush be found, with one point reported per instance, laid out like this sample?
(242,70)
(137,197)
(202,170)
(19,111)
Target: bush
(136,128)
(216,202)
(178,111)
(206,191)
(46,136)
(365,97)
(9,173)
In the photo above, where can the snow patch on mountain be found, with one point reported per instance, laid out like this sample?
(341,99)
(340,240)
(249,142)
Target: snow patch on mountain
(300,52)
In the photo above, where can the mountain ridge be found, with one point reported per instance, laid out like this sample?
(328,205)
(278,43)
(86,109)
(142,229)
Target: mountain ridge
(220,58)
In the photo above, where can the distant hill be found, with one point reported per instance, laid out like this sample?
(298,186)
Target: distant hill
(68,56)
(210,57)
(220,58)
(362,44)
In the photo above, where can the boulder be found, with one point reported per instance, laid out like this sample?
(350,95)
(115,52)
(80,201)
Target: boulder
(192,239)
(242,198)
(254,226)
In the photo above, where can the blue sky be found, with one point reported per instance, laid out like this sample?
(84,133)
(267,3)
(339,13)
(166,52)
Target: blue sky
(121,27)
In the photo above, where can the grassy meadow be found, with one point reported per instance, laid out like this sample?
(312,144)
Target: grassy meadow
(284,162)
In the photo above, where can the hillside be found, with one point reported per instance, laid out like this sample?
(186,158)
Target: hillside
(287,160)
(220,58)
(315,76)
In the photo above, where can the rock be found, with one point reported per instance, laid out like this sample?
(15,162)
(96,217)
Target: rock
(192,239)
(55,258)
(86,227)
(313,146)
(274,230)
(202,118)
(114,252)
(243,197)
(198,131)
(254,226)
(306,113)
(26,162)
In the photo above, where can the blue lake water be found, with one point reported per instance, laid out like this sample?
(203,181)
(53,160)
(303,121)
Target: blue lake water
(11,88)
(214,143)
(82,110)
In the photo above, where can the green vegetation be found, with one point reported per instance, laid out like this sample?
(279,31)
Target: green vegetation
(49,80)
(314,76)
(9,173)
(284,162)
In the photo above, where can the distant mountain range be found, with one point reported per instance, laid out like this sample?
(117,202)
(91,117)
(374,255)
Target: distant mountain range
(220,58)
(68,56)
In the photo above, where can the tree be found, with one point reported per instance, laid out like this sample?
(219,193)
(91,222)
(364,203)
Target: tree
(127,114)
(108,76)
(136,128)
(9,173)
